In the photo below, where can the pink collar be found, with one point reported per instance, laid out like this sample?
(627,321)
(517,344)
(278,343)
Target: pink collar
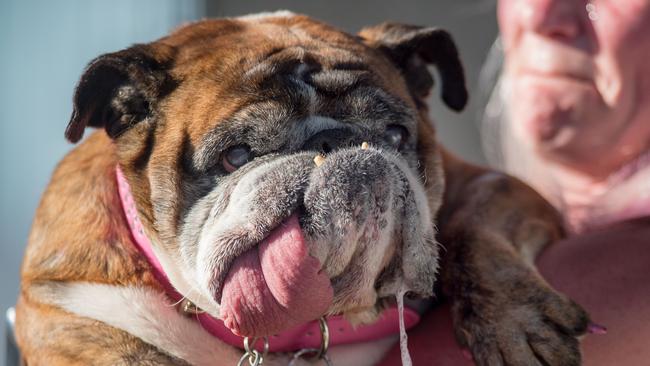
(300,337)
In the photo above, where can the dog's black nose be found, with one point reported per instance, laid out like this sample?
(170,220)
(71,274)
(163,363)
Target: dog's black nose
(327,141)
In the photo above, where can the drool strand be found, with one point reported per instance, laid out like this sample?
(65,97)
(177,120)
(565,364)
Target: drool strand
(403,338)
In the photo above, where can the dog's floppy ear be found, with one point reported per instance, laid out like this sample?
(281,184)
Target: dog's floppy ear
(118,90)
(412,48)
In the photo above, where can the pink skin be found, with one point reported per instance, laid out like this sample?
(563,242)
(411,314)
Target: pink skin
(582,85)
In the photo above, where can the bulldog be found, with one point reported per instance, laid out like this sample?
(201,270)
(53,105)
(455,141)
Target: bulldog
(266,190)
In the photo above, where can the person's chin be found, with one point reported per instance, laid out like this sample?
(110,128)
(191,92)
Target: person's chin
(550,110)
(549,117)
(559,140)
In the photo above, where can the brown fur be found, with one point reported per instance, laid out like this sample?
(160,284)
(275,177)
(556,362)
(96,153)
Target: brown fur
(490,224)
(94,247)
(493,226)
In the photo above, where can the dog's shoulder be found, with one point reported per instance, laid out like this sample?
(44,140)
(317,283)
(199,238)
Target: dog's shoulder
(79,235)
(79,232)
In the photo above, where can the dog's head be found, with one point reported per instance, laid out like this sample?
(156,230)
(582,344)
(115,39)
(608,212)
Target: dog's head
(217,128)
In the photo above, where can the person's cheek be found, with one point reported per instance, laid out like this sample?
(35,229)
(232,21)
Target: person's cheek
(622,24)
(622,30)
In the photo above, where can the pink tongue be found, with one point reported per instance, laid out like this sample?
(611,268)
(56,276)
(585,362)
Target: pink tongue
(275,286)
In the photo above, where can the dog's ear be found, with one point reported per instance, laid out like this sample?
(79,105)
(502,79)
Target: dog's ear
(118,90)
(412,48)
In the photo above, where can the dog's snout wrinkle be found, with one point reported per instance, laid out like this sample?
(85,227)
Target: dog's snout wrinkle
(352,209)
(371,202)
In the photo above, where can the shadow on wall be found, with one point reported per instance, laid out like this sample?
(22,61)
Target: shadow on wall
(44,46)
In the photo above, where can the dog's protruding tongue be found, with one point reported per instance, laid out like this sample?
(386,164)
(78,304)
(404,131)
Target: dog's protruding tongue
(275,285)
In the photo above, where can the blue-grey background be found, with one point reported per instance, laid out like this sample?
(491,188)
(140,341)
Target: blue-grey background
(44,46)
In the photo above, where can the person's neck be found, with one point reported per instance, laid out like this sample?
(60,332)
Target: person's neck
(589,200)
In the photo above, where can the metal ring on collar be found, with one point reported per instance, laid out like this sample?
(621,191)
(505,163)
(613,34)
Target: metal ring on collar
(254,358)
(325,337)
(248,349)
(305,351)
(318,353)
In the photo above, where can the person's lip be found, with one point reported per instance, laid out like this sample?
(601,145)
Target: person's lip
(542,58)
(555,75)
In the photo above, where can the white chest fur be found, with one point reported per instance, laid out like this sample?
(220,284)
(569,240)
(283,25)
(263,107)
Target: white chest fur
(150,316)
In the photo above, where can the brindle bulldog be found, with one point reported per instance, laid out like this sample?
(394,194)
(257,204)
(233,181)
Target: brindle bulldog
(267,171)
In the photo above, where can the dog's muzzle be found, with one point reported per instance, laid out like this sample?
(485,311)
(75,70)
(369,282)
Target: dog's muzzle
(342,219)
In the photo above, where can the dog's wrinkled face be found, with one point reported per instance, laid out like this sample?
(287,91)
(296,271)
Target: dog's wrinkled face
(217,127)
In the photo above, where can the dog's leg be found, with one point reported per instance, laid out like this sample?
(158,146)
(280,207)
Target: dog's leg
(492,227)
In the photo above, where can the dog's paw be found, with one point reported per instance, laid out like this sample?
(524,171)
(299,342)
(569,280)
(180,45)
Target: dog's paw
(526,323)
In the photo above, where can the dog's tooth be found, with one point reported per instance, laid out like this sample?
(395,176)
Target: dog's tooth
(319,159)
(364,145)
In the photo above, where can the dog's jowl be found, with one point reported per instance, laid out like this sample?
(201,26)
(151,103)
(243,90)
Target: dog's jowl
(261,190)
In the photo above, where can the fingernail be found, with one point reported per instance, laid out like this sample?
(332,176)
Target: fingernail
(467,354)
(594,328)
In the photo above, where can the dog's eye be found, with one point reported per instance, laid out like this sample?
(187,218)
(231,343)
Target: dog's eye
(235,157)
(396,135)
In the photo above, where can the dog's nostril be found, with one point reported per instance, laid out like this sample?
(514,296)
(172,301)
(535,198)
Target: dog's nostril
(326,148)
